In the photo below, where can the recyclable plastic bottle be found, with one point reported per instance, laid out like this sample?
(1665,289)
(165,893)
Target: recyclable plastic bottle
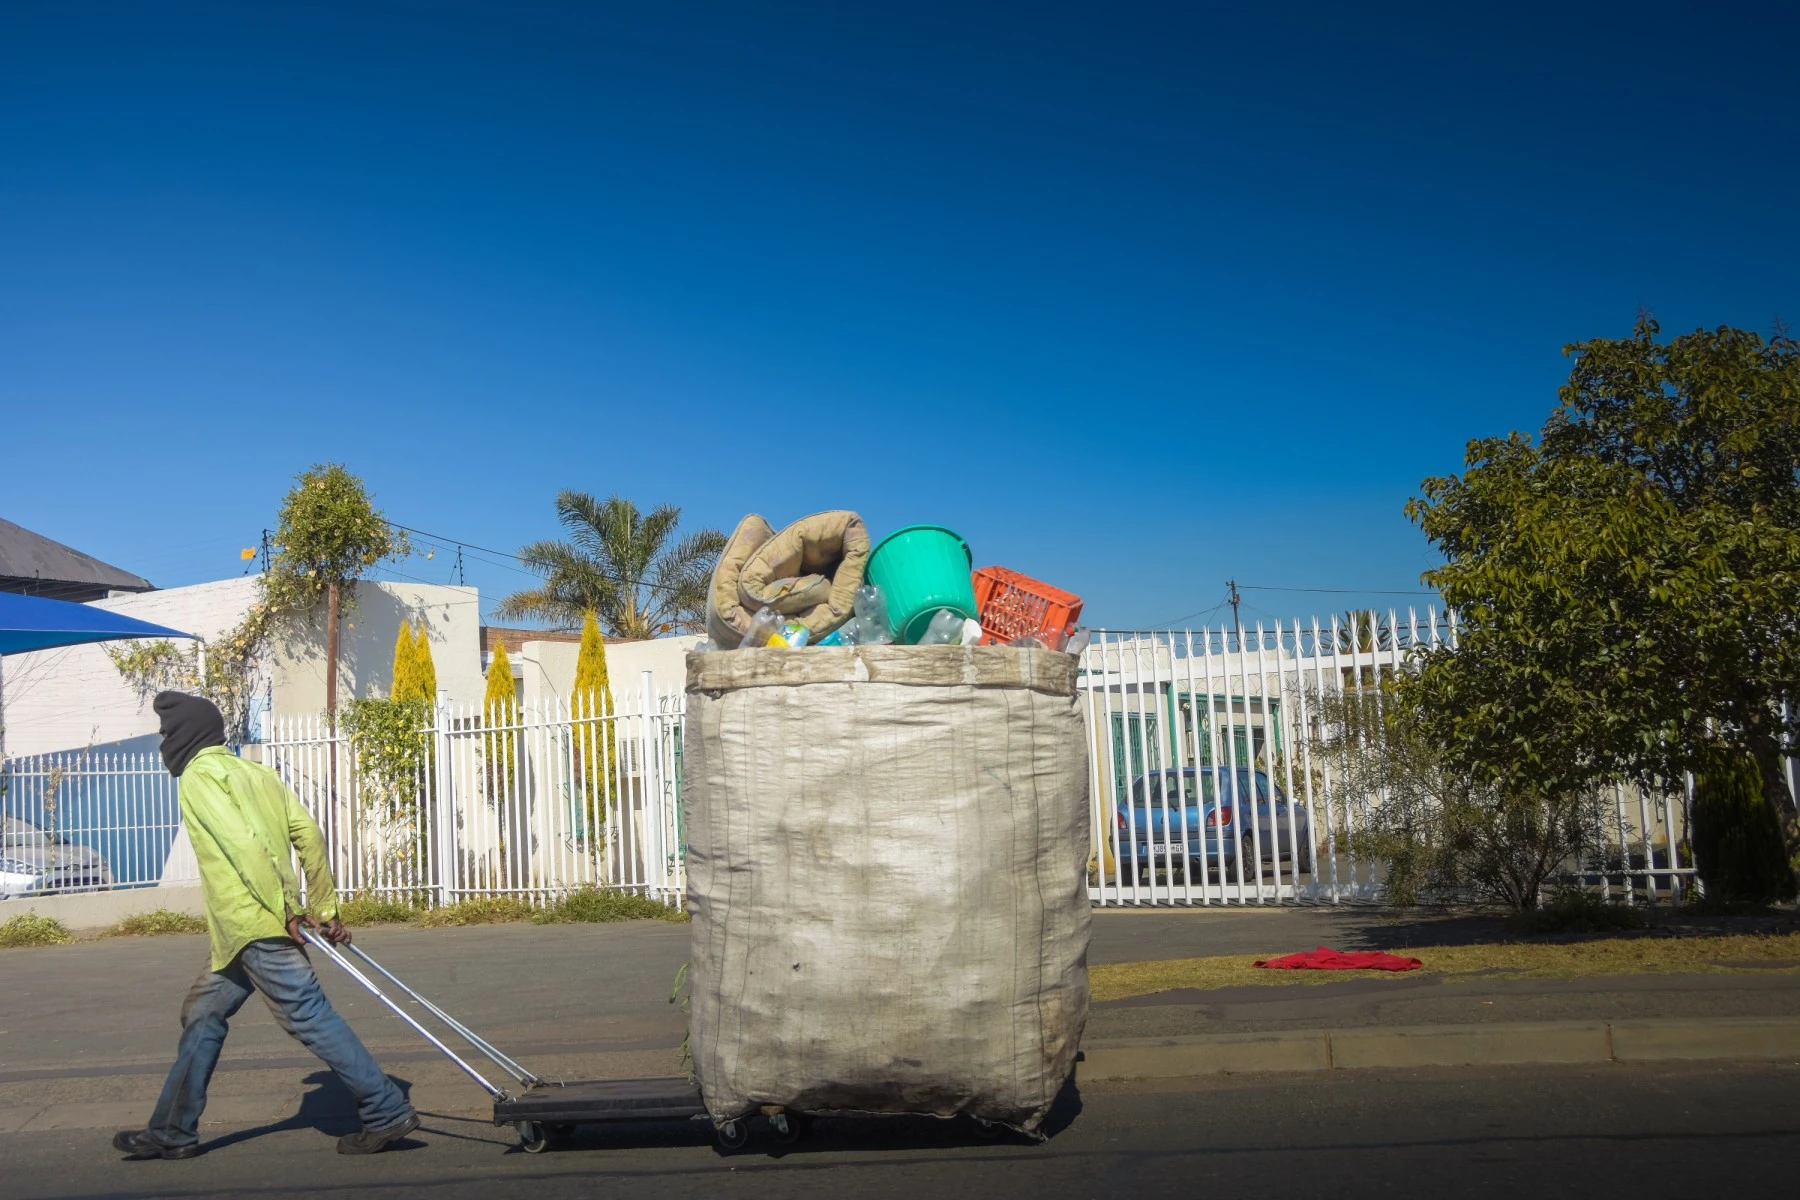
(945,629)
(871,617)
(763,626)
(971,632)
(843,635)
(1079,642)
(793,635)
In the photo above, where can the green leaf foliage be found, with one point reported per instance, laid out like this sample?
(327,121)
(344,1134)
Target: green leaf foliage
(1737,838)
(327,531)
(628,567)
(1626,585)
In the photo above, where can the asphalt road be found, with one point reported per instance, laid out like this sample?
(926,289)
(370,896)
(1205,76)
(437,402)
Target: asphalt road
(1675,1131)
(550,992)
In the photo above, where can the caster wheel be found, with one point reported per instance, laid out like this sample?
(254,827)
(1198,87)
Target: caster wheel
(533,1138)
(987,1129)
(734,1135)
(788,1128)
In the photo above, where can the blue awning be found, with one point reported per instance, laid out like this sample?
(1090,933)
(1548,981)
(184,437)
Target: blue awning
(33,623)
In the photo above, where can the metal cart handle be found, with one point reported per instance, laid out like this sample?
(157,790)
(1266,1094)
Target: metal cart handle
(336,956)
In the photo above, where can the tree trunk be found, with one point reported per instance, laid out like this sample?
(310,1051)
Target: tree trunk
(331,653)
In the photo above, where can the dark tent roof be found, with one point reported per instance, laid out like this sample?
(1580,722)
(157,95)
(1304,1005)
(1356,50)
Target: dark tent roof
(34,565)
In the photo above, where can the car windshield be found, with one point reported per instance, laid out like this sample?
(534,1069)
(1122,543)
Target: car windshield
(1184,786)
(16,834)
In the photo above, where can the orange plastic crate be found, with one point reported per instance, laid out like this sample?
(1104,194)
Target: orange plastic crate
(1011,605)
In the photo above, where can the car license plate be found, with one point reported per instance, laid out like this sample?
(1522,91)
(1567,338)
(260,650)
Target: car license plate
(1175,848)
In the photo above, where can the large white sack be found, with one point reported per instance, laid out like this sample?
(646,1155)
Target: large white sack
(887,853)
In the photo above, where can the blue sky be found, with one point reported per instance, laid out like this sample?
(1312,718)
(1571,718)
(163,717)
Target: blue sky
(1137,297)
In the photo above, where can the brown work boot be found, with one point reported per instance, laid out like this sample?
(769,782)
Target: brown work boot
(374,1141)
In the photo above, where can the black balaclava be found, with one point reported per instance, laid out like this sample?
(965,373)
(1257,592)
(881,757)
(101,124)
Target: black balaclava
(189,725)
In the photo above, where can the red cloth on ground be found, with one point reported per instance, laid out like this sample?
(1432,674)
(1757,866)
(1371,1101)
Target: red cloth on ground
(1326,959)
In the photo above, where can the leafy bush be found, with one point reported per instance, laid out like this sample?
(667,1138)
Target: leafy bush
(378,910)
(601,904)
(154,924)
(1440,832)
(29,929)
(479,910)
(1576,911)
(1738,844)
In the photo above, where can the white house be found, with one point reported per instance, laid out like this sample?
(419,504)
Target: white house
(74,697)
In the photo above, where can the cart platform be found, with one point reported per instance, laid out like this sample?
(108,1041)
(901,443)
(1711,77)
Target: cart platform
(592,1101)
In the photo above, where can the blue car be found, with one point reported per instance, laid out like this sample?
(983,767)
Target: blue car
(1194,807)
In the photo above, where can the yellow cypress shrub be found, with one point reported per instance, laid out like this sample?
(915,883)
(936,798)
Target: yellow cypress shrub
(426,668)
(596,752)
(499,707)
(406,668)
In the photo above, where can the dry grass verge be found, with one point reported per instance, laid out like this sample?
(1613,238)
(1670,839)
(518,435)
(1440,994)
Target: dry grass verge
(1507,960)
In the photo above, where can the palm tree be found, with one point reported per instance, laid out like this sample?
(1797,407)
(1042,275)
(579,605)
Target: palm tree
(624,565)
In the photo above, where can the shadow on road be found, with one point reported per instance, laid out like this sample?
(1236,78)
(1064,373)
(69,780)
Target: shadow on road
(327,1107)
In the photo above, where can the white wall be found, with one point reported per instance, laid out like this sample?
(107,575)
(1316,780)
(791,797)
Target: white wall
(547,669)
(452,617)
(73,697)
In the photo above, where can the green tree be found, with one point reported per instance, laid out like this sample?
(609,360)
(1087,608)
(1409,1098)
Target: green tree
(327,533)
(1626,584)
(590,702)
(1737,838)
(625,566)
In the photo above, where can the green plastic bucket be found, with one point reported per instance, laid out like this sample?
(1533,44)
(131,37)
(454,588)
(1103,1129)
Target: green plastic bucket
(919,570)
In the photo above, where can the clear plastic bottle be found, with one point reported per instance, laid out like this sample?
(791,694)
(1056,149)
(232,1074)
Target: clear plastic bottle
(871,617)
(843,635)
(945,629)
(1077,642)
(971,632)
(763,626)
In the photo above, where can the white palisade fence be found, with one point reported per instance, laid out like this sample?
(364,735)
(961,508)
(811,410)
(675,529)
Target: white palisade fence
(1204,789)
(534,805)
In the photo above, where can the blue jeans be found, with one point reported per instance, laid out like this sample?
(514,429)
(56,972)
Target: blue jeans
(278,969)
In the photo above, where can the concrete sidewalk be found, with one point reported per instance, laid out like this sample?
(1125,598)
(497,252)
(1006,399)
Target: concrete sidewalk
(87,1031)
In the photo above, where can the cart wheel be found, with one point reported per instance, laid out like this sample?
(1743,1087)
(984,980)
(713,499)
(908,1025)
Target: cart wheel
(533,1138)
(788,1127)
(987,1129)
(733,1135)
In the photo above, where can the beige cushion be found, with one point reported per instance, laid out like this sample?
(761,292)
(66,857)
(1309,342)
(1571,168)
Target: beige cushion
(808,572)
(726,619)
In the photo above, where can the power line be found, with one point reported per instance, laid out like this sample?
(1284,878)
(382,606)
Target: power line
(1251,587)
(461,546)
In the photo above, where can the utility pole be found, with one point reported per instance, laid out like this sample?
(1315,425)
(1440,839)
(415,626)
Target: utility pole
(1231,590)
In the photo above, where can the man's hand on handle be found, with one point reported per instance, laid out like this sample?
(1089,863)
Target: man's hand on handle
(333,931)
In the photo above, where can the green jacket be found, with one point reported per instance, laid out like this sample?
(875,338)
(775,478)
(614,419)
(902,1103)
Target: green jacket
(242,820)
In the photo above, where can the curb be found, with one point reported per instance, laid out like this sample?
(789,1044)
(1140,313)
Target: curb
(1630,1041)
(97,910)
